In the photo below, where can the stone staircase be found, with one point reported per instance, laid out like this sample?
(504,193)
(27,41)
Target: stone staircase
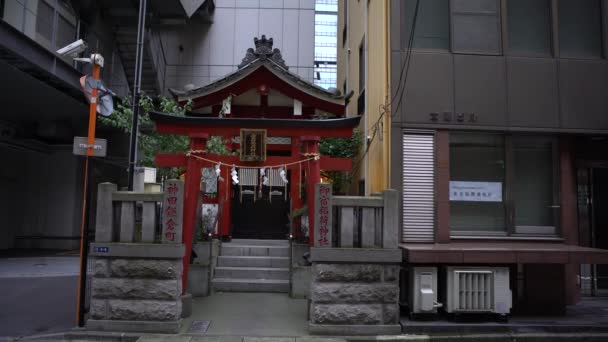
(245,265)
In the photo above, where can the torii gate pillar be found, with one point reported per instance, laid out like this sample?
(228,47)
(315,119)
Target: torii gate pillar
(311,148)
(192,192)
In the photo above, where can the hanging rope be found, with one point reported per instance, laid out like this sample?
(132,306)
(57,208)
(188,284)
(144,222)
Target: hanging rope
(310,156)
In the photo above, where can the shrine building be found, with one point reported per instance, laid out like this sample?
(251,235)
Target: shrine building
(271,121)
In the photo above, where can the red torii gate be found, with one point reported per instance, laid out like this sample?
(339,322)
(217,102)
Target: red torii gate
(262,75)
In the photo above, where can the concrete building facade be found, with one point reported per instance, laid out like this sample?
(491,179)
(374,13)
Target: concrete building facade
(496,130)
(199,54)
(363,69)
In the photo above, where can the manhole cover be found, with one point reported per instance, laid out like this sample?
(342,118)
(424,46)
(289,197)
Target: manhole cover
(199,327)
(40,265)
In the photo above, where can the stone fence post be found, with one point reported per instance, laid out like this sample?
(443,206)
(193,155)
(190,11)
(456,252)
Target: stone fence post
(355,291)
(137,286)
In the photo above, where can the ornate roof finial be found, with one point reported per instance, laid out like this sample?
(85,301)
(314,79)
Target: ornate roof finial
(263,51)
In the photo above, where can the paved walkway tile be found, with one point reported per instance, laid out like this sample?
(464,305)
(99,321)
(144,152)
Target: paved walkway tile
(249,314)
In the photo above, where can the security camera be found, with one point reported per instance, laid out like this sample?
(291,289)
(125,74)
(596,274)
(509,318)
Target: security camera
(73,49)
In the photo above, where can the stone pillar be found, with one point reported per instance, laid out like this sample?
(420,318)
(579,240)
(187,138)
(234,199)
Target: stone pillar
(355,291)
(104,225)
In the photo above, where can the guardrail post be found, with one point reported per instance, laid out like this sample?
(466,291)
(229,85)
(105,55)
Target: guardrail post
(148,222)
(127,222)
(390,231)
(104,219)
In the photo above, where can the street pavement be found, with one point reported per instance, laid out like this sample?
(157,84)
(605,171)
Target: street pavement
(38,295)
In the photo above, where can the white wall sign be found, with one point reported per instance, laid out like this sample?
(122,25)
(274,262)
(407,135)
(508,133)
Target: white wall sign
(476,191)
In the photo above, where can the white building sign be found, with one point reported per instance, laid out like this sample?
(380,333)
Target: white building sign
(476,191)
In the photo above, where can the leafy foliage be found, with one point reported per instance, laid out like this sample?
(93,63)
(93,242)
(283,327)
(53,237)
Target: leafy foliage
(150,142)
(341,148)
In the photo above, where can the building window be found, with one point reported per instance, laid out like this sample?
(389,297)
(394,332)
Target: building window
(503,185)
(44,20)
(476,26)
(580,29)
(529,25)
(66,32)
(362,66)
(361,97)
(345,30)
(477,179)
(534,180)
(432,28)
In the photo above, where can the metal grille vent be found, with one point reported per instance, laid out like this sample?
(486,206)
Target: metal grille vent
(418,187)
(473,291)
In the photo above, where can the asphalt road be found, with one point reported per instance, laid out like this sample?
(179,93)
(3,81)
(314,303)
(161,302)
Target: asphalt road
(37,295)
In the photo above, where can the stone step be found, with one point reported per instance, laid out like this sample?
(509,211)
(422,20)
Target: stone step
(254,242)
(252,261)
(250,285)
(254,250)
(252,273)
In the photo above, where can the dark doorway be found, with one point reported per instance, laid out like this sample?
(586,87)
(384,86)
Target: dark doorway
(599,215)
(262,218)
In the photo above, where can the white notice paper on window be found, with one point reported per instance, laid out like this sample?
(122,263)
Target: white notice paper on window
(476,191)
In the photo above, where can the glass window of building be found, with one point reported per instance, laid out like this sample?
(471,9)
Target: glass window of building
(529,27)
(535,200)
(44,20)
(580,29)
(362,66)
(66,32)
(476,27)
(477,182)
(432,29)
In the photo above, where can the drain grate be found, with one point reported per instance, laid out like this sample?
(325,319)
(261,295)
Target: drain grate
(199,327)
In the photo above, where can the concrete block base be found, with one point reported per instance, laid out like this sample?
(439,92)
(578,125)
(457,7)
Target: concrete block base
(198,280)
(135,326)
(353,330)
(300,281)
(186,305)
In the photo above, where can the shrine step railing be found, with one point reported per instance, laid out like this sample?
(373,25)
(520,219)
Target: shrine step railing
(355,221)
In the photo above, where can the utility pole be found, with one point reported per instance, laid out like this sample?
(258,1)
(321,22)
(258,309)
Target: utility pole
(97,61)
(141,23)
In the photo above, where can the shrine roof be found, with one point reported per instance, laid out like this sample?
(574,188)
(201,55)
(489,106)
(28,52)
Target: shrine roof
(349,122)
(264,56)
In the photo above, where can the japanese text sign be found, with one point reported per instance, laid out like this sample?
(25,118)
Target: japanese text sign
(173,209)
(323,215)
(476,191)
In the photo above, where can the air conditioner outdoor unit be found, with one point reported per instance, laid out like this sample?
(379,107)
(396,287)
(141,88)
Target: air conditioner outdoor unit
(423,285)
(478,289)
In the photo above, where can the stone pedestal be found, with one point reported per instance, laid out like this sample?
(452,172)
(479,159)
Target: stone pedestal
(355,291)
(136,287)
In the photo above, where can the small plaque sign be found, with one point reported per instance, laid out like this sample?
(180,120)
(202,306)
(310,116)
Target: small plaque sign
(475,191)
(101,249)
(253,144)
(81,145)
